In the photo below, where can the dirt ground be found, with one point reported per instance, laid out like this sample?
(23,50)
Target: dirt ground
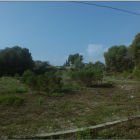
(78,108)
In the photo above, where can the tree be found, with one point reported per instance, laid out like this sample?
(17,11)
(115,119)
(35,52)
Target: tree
(64,64)
(15,60)
(110,58)
(116,59)
(74,57)
(42,67)
(67,64)
(90,65)
(129,60)
(99,65)
(78,64)
(134,49)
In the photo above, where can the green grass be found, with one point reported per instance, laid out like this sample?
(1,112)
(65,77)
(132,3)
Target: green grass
(17,90)
(10,100)
(69,87)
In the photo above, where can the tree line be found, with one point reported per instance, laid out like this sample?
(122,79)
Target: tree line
(120,58)
(117,59)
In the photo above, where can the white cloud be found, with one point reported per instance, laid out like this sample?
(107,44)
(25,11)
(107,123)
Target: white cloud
(95,53)
(94,49)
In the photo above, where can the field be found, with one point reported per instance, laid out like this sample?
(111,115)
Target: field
(80,107)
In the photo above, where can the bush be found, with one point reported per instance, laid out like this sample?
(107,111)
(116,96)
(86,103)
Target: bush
(10,100)
(58,73)
(125,73)
(104,73)
(136,72)
(17,90)
(69,73)
(47,82)
(26,74)
(114,74)
(33,82)
(69,87)
(86,77)
(52,82)
(40,100)
(16,75)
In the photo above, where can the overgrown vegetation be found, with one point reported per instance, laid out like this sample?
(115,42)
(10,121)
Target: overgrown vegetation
(40,93)
(87,77)
(136,72)
(10,100)
(125,74)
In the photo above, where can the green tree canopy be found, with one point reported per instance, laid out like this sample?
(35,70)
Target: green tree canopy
(15,60)
(134,49)
(74,57)
(99,65)
(88,66)
(78,64)
(39,64)
(116,59)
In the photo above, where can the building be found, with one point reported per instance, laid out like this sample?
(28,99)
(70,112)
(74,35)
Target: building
(85,64)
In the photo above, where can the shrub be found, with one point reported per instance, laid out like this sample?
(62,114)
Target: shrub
(52,82)
(136,72)
(17,90)
(35,92)
(47,82)
(69,73)
(104,73)
(75,87)
(33,82)
(114,74)
(125,73)
(86,77)
(58,73)
(16,75)
(10,100)
(26,74)
(69,87)
(40,100)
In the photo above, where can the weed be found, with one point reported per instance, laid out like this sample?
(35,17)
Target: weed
(17,90)
(58,73)
(125,73)
(35,92)
(11,100)
(40,100)
(26,74)
(136,72)
(83,134)
(16,75)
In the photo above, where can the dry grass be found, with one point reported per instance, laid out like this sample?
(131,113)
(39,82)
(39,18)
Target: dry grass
(78,108)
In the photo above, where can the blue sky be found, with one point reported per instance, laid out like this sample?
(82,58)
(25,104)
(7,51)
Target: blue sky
(54,30)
